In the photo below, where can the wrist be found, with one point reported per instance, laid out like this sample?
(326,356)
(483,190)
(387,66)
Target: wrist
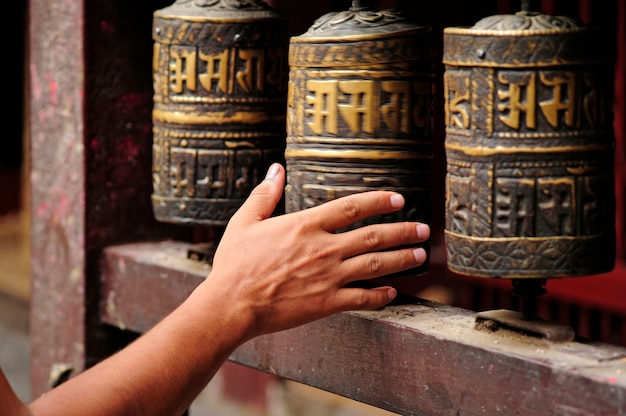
(222,317)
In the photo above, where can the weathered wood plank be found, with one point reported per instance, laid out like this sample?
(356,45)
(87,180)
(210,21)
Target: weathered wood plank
(142,282)
(413,358)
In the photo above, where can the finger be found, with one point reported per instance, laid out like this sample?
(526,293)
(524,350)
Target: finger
(372,265)
(378,237)
(347,210)
(354,299)
(264,197)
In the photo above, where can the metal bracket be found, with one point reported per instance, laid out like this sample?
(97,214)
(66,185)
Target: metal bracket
(512,320)
(59,374)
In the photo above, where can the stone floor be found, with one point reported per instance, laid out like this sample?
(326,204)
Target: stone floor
(14,345)
(14,294)
(14,252)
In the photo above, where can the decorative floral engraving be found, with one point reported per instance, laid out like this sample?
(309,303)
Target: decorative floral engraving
(526,21)
(546,257)
(356,19)
(226,4)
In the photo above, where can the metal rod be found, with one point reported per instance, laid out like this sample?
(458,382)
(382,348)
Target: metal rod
(528,290)
(530,5)
(360,4)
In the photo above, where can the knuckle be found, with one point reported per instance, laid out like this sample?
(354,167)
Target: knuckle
(402,260)
(372,238)
(350,209)
(305,225)
(406,259)
(373,264)
(361,301)
(408,232)
(320,253)
(262,188)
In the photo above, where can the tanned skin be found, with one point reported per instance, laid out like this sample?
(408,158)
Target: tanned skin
(296,270)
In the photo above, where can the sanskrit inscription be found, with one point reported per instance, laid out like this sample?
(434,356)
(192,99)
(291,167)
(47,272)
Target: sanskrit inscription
(220,84)
(374,107)
(225,72)
(530,100)
(206,173)
(531,206)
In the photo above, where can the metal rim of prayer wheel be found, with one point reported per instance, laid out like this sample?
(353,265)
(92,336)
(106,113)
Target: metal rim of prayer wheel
(529,147)
(220,75)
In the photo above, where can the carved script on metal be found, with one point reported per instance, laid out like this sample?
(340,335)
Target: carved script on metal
(529,146)
(219,106)
(359,111)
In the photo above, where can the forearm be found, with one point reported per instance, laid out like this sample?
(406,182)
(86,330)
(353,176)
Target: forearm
(10,404)
(161,372)
(268,274)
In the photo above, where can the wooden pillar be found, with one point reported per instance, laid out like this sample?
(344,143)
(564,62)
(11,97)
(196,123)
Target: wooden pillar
(90,93)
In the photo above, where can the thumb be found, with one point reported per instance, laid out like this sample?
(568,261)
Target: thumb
(264,197)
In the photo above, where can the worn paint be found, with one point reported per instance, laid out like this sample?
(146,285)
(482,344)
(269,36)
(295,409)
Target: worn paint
(52,88)
(75,274)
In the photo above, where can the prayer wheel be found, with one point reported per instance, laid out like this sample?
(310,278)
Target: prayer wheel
(529,147)
(220,81)
(359,111)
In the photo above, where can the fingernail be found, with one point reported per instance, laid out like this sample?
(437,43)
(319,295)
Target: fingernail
(420,255)
(423,231)
(397,200)
(272,172)
(392,293)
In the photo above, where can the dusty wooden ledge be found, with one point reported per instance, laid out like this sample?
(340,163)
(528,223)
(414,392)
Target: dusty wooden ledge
(413,358)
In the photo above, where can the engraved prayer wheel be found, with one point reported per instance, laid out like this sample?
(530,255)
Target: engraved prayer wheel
(359,111)
(220,81)
(529,146)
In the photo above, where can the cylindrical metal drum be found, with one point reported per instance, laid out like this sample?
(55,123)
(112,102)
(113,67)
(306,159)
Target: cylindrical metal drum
(359,111)
(220,81)
(529,146)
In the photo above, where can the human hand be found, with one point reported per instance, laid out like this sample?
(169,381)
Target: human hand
(269,274)
(291,269)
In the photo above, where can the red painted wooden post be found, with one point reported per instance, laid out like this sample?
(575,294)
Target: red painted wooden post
(90,157)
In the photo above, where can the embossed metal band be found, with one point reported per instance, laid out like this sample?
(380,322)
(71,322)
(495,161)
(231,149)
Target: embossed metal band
(529,257)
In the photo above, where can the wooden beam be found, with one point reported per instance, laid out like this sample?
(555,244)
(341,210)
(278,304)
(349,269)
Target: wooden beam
(414,357)
(143,282)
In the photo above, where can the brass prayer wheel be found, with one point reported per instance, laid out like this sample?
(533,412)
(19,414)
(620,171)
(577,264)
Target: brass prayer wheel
(529,146)
(220,76)
(359,111)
